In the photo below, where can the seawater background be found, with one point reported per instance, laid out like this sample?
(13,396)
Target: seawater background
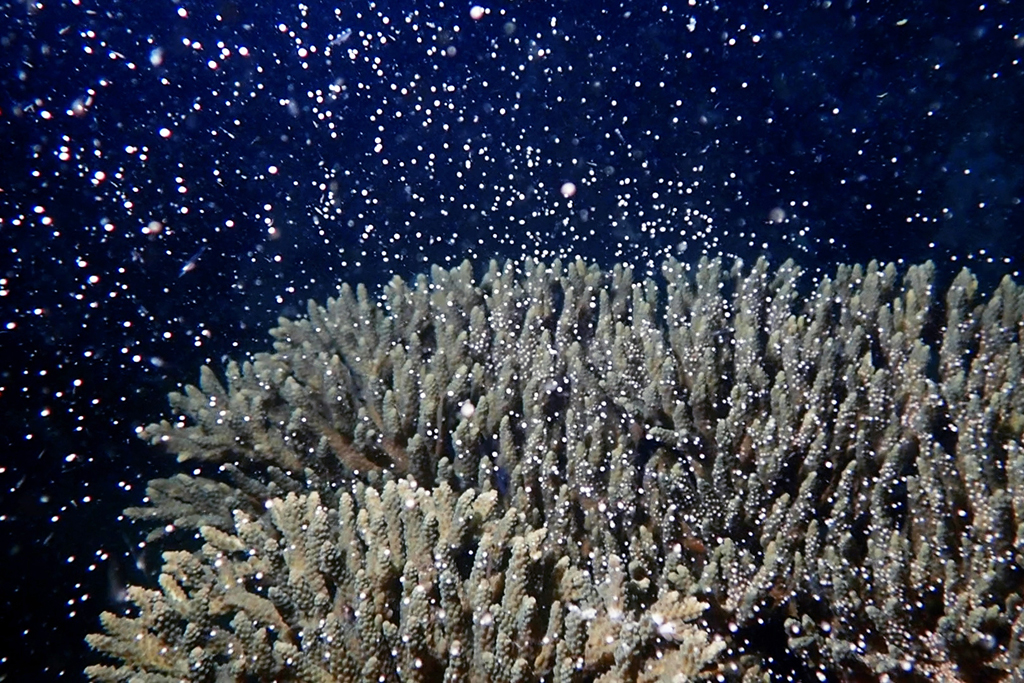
(174,176)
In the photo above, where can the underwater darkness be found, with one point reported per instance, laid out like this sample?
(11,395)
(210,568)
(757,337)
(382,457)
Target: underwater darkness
(176,175)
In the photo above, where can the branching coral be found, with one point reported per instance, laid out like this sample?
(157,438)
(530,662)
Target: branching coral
(557,473)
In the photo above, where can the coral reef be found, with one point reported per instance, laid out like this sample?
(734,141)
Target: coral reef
(558,473)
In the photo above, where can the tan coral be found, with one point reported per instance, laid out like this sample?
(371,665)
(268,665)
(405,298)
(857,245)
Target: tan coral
(562,473)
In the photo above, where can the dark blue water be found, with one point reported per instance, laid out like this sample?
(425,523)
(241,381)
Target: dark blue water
(174,176)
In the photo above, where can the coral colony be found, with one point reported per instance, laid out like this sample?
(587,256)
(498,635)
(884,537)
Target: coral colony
(552,472)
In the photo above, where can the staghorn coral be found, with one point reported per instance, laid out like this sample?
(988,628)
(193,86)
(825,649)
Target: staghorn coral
(561,474)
